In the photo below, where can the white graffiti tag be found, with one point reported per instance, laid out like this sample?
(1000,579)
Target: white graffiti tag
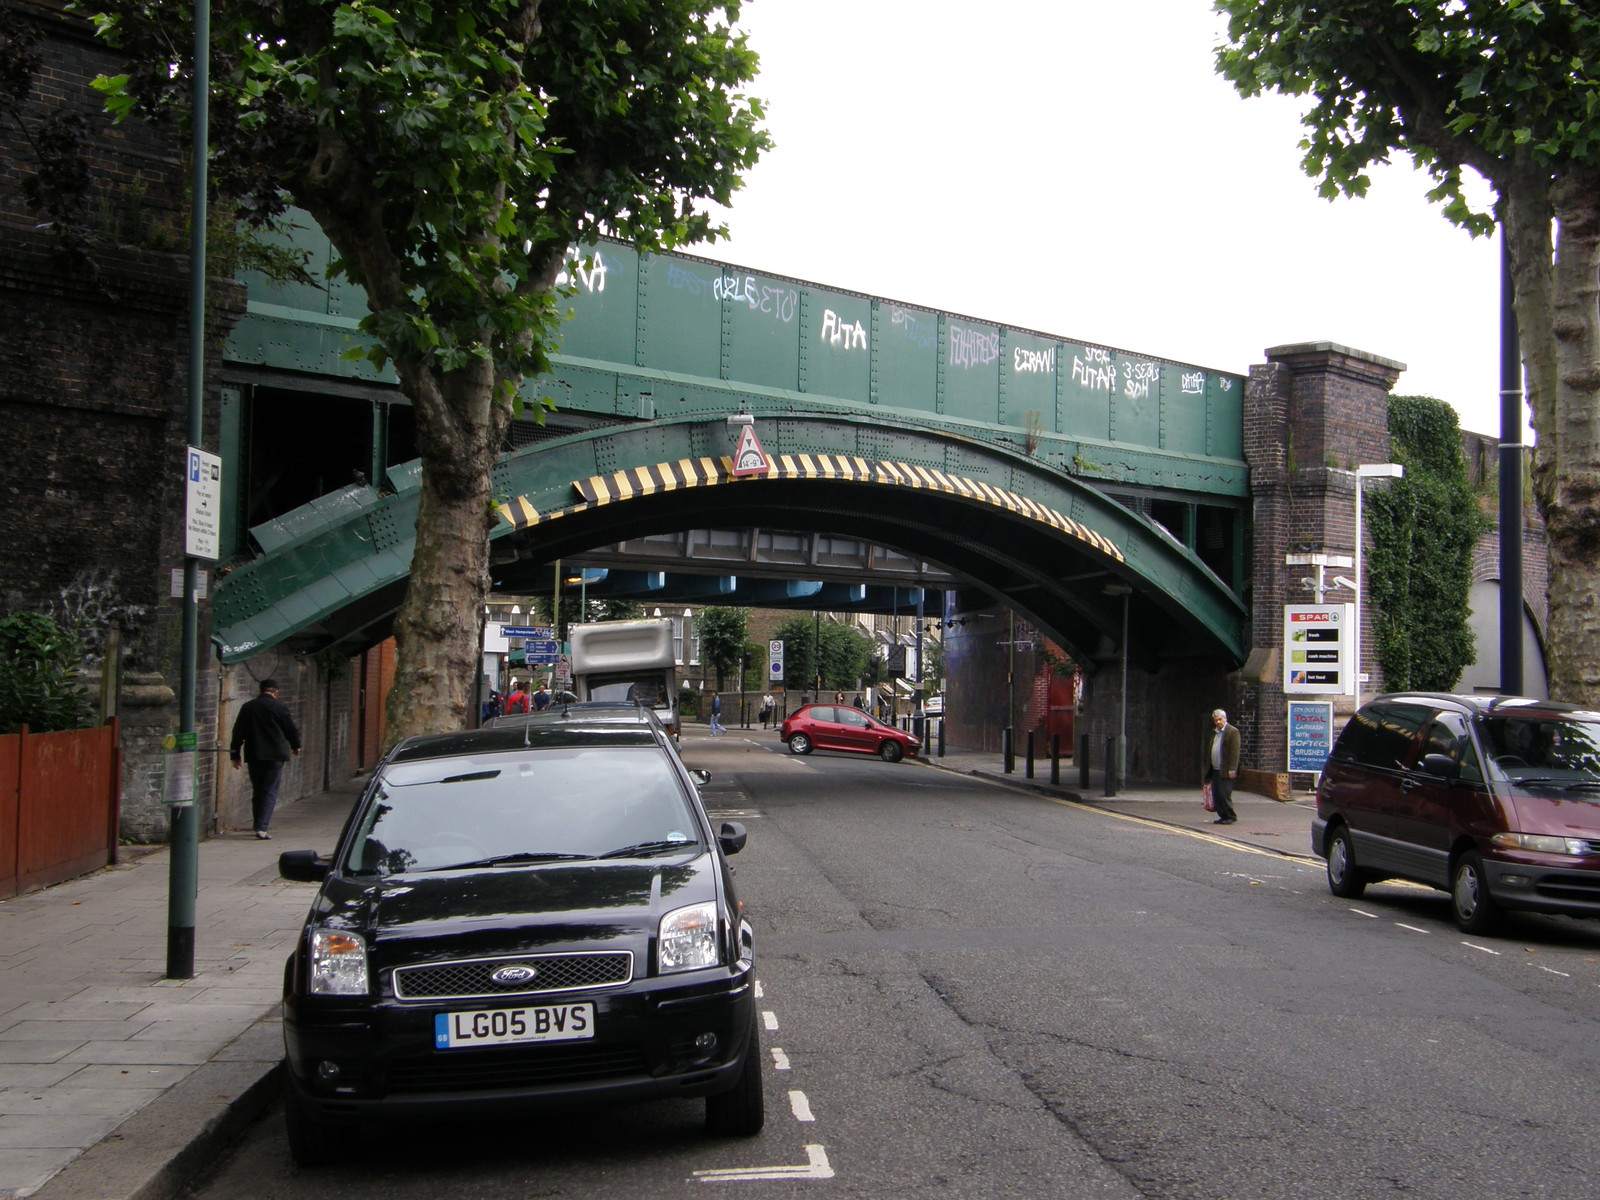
(1137,378)
(1095,370)
(973,347)
(837,333)
(1036,362)
(779,303)
(1194,383)
(587,272)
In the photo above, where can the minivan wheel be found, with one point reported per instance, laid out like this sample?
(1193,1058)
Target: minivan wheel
(799,744)
(891,751)
(1474,909)
(1343,877)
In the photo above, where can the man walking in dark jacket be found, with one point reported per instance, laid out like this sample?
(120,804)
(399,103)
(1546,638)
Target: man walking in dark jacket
(267,736)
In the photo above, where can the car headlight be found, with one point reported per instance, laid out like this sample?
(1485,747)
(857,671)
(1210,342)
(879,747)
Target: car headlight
(689,938)
(338,963)
(1543,843)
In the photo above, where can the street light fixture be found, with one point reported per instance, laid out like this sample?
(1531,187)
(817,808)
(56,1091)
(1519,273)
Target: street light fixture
(1363,473)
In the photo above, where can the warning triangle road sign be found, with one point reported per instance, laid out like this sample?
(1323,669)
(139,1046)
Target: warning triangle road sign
(749,458)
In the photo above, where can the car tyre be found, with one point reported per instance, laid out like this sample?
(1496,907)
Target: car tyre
(1344,877)
(311,1142)
(740,1111)
(1470,903)
(891,751)
(799,743)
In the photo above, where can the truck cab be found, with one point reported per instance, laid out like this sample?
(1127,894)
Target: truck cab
(630,661)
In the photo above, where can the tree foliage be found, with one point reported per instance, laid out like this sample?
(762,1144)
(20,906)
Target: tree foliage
(40,676)
(722,639)
(842,652)
(1509,89)
(1424,527)
(454,154)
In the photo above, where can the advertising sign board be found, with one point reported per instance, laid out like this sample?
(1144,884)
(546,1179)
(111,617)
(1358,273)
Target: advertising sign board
(1310,734)
(1317,644)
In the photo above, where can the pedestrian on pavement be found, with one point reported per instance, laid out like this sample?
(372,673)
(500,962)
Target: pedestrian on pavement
(266,737)
(857,701)
(716,715)
(1222,765)
(838,697)
(541,697)
(517,700)
(768,706)
(493,706)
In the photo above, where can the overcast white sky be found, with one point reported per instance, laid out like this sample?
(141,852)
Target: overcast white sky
(1079,169)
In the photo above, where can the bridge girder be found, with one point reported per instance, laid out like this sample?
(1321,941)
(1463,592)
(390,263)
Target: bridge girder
(1042,541)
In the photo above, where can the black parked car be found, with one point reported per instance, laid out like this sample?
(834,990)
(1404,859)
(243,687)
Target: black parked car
(521,917)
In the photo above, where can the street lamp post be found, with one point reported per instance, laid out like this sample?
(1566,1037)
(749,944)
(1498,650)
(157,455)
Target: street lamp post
(1363,473)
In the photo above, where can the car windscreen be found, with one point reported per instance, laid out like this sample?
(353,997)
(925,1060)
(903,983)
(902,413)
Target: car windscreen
(1556,750)
(524,808)
(632,687)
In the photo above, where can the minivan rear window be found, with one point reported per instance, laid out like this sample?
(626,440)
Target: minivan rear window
(1382,735)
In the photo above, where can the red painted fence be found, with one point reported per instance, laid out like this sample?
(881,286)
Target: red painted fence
(58,805)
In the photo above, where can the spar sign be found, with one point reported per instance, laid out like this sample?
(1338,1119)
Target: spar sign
(1317,644)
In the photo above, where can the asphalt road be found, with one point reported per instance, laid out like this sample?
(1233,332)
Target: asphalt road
(974,992)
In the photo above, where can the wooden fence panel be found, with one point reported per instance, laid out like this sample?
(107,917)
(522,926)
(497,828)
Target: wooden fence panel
(66,808)
(10,808)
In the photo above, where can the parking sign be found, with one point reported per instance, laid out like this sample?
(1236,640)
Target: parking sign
(775,661)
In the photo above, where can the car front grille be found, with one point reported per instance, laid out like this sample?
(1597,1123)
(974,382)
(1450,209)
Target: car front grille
(473,979)
(485,1070)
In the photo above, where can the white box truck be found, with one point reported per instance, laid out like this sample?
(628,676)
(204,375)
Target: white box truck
(627,660)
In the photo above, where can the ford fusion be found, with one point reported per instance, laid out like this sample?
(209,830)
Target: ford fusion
(520,918)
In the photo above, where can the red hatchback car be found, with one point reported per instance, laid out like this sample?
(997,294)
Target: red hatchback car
(838,727)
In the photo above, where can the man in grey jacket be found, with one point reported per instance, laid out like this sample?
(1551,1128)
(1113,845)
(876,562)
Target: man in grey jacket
(267,736)
(1222,765)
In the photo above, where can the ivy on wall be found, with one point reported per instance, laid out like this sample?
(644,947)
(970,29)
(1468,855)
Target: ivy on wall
(1423,529)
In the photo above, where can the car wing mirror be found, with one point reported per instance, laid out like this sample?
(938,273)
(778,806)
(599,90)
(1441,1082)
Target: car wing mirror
(700,775)
(732,837)
(303,866)
(1443,765)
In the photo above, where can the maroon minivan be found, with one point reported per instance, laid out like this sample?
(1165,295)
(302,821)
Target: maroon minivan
(1494,799)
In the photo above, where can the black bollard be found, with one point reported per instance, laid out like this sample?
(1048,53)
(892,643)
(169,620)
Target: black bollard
(1005,744)
(1112,782)
(1028,769)
(1055,758)
(941,737)
(1083,760)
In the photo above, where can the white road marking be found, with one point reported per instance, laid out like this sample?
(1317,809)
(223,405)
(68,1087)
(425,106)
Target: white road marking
(1485,949)
(800,1106)
(816,1167)
(780,1060)
(1361,912)
(1413,928)
(760,995)
(769,1019)
(1553,971)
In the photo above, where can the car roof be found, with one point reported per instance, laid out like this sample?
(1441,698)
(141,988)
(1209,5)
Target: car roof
(525,735)
(1482,705)
(624,712)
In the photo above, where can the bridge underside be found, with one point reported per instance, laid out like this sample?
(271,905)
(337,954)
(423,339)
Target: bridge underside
(1049,545)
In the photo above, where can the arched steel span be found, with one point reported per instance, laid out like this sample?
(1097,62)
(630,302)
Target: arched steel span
(1043,542)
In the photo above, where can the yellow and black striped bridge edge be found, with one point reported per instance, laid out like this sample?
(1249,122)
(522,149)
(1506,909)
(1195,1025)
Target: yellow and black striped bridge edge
(637,482)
